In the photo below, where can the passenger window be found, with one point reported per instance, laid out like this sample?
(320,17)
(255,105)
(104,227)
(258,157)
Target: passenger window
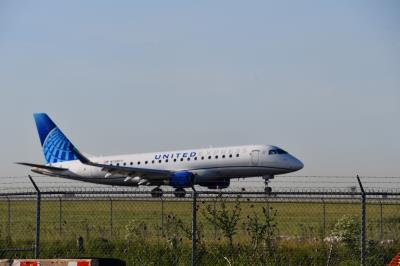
(202,157)
(230,155)
(216,156)
(124,164)
(152,161)
(195,158)
(209,157)
(159,161)
(174,160)
(188,159)
(181,159)
(117,164)
(166,161)
(223,156)
(145,162)
(237,155)
(138,162)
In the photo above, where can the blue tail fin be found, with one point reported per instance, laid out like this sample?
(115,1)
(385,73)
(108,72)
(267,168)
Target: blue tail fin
(56,146)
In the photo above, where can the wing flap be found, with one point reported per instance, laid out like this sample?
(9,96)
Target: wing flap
(131,170)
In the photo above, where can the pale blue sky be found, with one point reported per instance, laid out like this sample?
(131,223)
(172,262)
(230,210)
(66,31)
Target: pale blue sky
(320,79)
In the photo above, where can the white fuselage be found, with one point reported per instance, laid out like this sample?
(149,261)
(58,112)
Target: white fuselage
(206,164)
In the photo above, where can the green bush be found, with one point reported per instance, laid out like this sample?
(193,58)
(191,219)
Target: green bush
(347,230)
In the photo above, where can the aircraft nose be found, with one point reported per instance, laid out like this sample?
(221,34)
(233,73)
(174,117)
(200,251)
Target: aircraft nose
(296,164)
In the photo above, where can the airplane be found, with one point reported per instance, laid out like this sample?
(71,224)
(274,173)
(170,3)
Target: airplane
(211,167)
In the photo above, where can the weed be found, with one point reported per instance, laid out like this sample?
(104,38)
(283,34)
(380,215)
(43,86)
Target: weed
(224,219)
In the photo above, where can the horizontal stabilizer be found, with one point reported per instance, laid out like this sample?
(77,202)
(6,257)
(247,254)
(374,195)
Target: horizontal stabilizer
(51,168)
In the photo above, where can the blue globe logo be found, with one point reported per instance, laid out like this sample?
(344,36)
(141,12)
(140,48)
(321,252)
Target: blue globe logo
(57,148)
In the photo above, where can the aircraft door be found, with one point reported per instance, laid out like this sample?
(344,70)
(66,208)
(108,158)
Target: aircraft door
(255,157)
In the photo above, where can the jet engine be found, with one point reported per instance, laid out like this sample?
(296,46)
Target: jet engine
(181,179)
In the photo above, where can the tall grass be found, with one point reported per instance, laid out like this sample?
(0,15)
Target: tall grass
(248,233)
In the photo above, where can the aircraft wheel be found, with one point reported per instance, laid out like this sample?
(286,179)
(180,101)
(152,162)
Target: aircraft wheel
(268,190)
(156,192)
(180,193)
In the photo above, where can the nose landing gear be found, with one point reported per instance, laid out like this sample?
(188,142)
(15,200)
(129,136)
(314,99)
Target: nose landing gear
(267,189)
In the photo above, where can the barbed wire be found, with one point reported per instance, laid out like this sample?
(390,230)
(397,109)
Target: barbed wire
(322,180)
(280,176)
(324,183)
(233,183)
(337,176)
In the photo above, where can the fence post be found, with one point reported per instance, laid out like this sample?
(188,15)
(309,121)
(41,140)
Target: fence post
(363,230)
(214,208)
(194,220)
(381,221)
(38,201)
(111,217)
(60,214)
(8,218)
(162,216)
(323,219)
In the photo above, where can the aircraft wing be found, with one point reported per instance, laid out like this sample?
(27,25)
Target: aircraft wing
(133,171)
(125,170)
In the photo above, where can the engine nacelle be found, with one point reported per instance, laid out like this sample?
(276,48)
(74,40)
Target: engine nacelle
(215,184)
(181,179)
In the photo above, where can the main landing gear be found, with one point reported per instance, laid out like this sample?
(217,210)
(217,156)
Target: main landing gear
(180,193)
(157,192)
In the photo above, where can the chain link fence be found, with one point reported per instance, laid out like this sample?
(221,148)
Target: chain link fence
(204,228)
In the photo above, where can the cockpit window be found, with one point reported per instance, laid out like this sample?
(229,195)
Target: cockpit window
(277,151)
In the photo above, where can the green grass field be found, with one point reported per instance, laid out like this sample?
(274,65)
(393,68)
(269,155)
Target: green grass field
(92,218)
(103,226)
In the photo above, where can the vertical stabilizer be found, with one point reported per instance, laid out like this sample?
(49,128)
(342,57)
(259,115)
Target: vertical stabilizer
(56,146)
